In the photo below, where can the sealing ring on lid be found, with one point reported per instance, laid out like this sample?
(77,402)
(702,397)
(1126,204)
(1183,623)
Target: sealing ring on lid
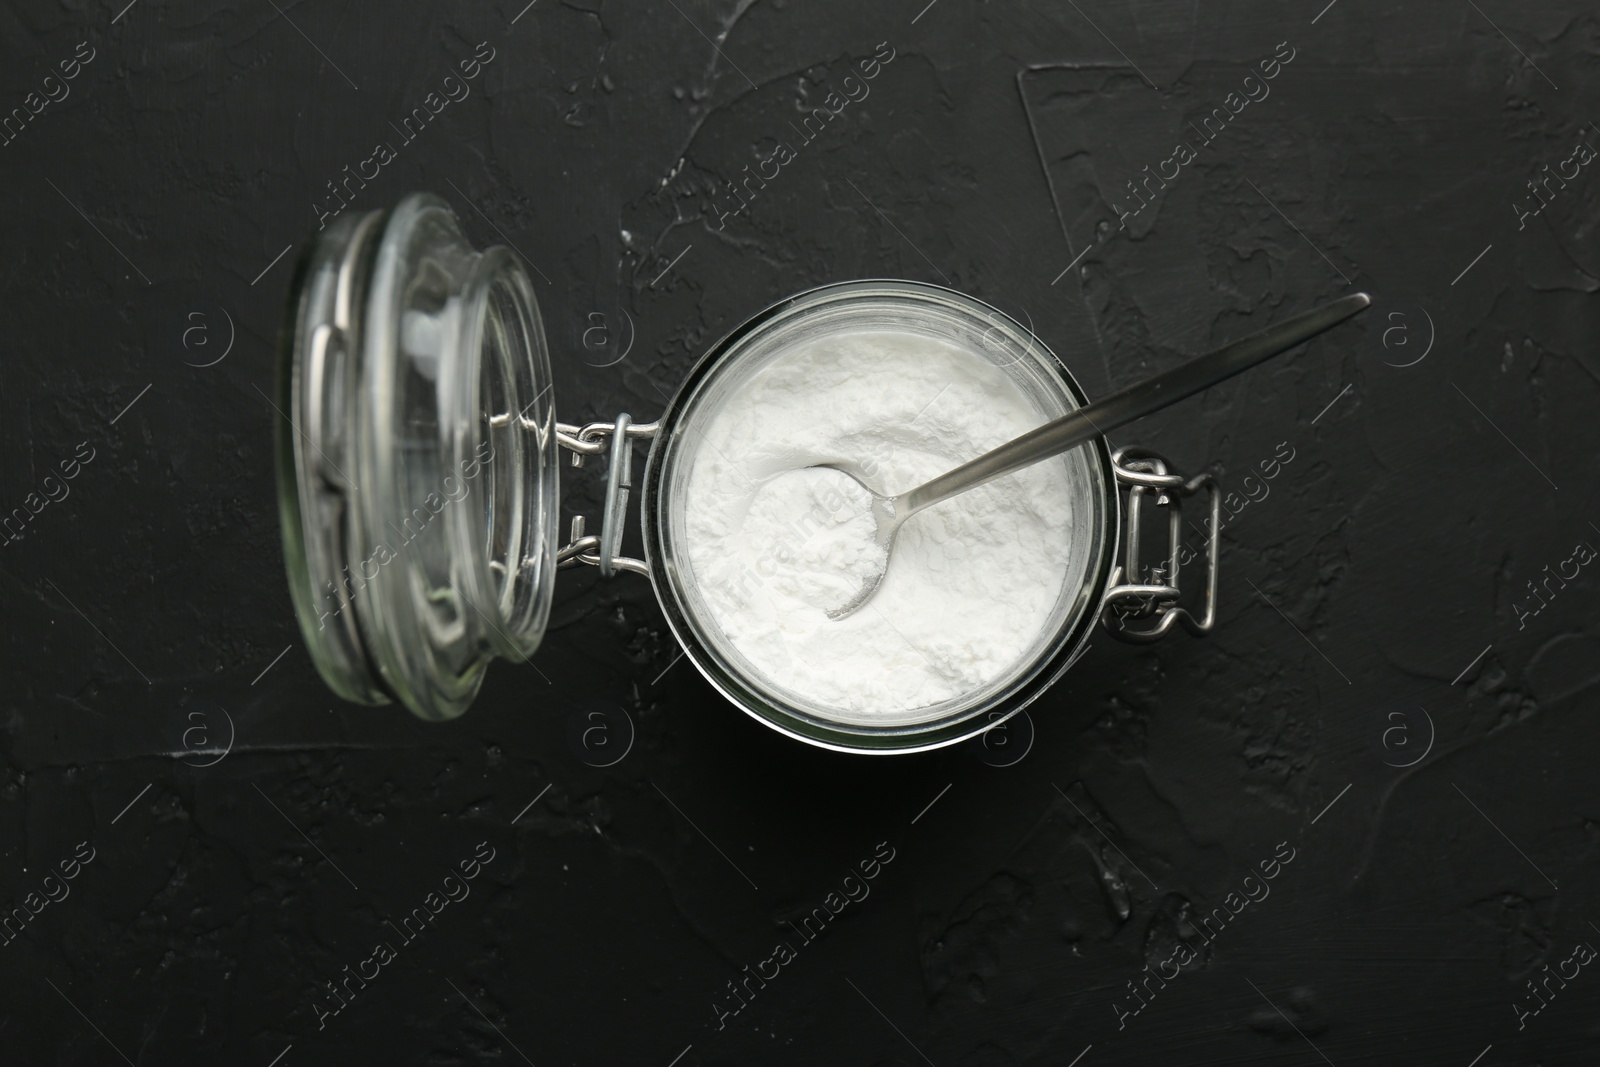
(417,458)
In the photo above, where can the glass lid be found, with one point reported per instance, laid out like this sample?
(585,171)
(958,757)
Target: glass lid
(417,458)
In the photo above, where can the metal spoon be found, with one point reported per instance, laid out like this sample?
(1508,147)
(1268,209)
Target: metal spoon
(1053,438)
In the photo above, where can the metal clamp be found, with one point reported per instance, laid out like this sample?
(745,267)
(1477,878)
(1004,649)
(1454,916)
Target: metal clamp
(592,440)
(1151,484)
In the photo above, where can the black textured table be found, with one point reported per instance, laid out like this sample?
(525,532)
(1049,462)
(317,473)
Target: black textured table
(1355,825)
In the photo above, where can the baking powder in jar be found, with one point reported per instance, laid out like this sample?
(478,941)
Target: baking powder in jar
(973,581)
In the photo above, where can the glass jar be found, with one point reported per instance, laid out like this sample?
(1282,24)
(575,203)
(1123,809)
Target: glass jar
(418,481)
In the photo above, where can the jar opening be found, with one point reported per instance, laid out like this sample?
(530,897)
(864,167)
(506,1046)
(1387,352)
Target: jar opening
(690,433)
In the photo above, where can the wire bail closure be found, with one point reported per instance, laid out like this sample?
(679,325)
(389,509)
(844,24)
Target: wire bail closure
(1145,474)
(593,439)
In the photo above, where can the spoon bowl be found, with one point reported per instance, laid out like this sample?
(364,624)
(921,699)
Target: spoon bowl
(888,515)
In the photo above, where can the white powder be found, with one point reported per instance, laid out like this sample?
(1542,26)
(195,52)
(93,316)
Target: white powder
(972,582)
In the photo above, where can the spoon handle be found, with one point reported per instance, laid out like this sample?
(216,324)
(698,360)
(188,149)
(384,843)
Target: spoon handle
(1134,402)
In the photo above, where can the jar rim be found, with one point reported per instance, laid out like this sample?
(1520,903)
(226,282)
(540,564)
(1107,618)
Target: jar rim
(759,700)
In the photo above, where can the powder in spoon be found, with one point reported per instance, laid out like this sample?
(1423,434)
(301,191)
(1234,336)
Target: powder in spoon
(973,582)
(831,563)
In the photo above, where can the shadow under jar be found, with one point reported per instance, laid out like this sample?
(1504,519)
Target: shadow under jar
(418,462)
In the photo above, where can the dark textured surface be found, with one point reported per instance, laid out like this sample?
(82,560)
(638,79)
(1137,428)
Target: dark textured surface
(1362,583)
